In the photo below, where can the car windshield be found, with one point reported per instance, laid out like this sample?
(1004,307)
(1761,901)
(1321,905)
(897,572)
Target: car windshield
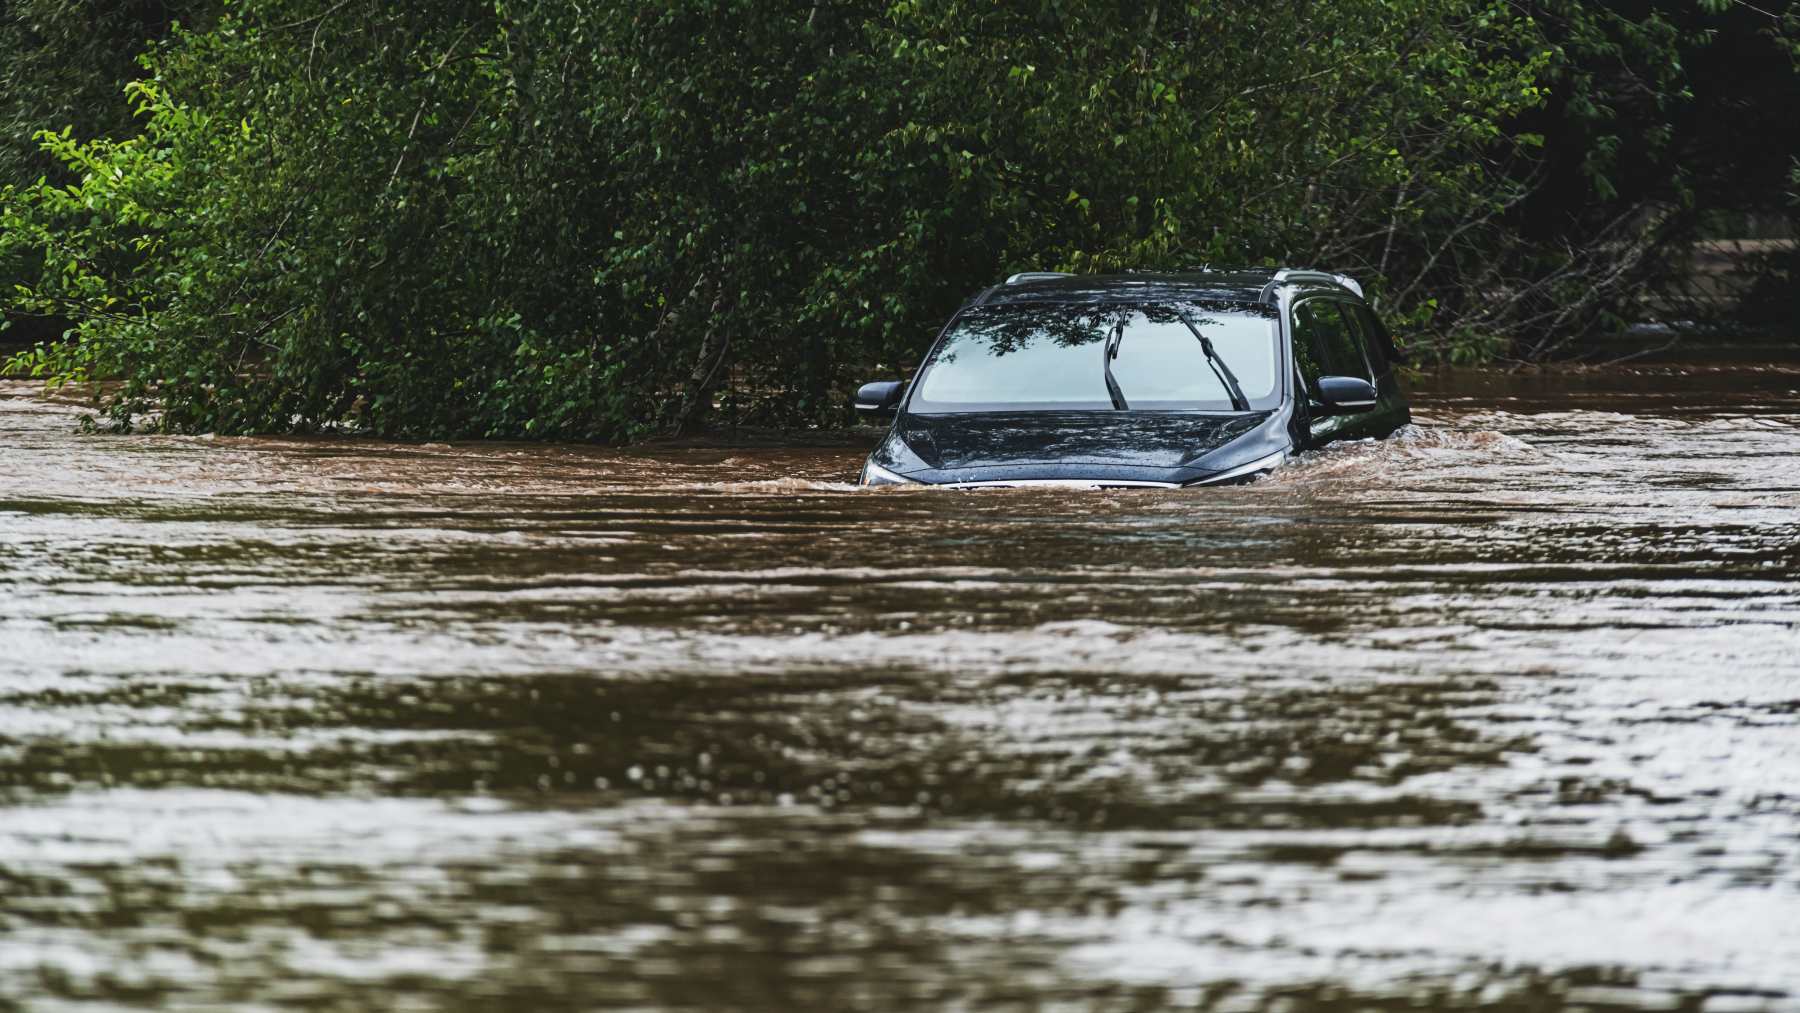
(1058,357)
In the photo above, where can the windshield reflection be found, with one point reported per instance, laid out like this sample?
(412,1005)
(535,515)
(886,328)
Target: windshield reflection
(1057,357)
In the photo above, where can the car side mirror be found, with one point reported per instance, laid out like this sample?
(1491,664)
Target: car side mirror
(1347,395)
(880,397)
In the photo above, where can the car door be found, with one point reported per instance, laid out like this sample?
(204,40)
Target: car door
(1329,340)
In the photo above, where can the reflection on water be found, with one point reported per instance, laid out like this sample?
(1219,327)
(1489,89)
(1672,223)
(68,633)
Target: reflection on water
(1502,713)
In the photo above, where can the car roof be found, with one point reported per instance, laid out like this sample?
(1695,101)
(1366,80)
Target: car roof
(1246,285)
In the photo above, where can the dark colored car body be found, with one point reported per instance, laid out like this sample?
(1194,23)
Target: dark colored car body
(1322,325)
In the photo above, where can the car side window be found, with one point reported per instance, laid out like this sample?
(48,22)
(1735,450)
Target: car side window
(1378,341)
(1363,332)
(1326,345)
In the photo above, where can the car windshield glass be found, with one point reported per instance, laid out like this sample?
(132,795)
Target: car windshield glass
(1056,357)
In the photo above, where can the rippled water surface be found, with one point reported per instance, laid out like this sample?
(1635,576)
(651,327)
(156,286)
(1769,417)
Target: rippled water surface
(1502,713)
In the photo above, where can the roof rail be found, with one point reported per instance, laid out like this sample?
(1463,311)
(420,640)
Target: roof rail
(1288,274)
(1023,276)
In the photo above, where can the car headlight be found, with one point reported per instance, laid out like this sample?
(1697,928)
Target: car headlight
(875,474)
(1260,464)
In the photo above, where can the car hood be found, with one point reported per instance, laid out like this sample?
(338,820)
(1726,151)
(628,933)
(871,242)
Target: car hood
(1005,446)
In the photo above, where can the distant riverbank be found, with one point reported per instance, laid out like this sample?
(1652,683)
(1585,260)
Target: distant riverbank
(1743,364)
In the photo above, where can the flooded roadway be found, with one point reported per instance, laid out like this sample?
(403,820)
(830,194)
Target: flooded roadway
(1501,714)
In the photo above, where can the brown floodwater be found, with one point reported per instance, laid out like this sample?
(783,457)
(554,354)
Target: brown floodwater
(1502,713)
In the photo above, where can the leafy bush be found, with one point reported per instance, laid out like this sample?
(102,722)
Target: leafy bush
(64,64)
(534,218)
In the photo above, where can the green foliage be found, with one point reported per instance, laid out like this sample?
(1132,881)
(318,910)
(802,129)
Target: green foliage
(64,65)
(1669,123)
(536,218)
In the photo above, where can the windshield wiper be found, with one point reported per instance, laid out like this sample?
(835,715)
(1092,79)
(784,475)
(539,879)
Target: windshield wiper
(1220,370)
(1108,354)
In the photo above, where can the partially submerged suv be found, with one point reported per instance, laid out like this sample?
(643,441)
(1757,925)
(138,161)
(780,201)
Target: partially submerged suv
(1138,380)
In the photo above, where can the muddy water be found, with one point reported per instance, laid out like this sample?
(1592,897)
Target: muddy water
(1502,713)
